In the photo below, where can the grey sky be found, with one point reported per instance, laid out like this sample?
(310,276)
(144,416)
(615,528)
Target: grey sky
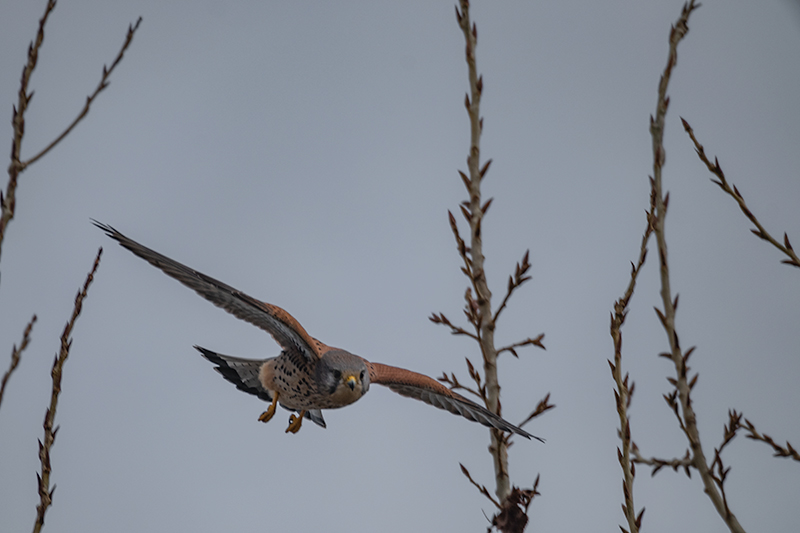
(306,153)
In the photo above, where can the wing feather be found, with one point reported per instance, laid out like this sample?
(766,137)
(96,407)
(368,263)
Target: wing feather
(283,327)
(421,387)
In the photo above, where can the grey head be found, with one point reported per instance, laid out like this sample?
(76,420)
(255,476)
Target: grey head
(342,376)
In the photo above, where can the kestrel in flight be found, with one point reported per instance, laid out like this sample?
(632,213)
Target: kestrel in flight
(307,376)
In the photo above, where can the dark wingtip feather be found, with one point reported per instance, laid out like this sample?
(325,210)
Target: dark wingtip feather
(208,354)
(110,231)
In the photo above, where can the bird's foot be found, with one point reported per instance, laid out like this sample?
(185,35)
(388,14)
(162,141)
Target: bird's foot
(267,415)
(295,421)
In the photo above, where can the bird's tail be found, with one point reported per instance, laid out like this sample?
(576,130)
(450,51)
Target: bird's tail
(244,374)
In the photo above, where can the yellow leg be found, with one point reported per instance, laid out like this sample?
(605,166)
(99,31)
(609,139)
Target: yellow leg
(295,421)
(267,415)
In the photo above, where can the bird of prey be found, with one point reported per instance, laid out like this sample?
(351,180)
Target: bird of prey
(308,376)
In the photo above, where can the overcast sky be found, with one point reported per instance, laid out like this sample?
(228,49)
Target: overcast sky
(307,154)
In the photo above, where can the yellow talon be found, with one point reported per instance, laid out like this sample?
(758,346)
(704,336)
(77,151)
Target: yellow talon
(267,415)
(295,421)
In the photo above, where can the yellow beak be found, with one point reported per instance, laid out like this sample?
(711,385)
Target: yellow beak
(351,382)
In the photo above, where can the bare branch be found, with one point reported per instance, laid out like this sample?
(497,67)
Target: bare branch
(472,312)
(780,451)
(685,462)
(455,330)
(483,296)
(15,355)
(477,299)
(476,377)
(543,405)
(18,121)
(680,382)
(17,166)
(89,99)
(760,232)
(718,470)
(45,492)
(730,429)
(623,392)
(735,423)
(515,281)
(672,401)
(527,342)
(463,251)
(481,488)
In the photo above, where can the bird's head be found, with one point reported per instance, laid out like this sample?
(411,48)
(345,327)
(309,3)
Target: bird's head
(343,376)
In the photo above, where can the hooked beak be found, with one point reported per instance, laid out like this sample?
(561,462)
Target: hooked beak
(351,382)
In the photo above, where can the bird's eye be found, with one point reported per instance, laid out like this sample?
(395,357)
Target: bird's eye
(362,376)
(337,375)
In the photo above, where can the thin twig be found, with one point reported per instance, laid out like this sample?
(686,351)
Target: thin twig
(455,330)
(89,99)
(681,382)
(15,355)
(8,201)
(752,433)
(454,384)
(780,451)
(515,281)
(476,377)
(461,245)
(45,492)
(17,166)
(672,401)
(718,470)
(527,342)
(685,462)
(481,488)
(543,406)
(623,392)
(759,232)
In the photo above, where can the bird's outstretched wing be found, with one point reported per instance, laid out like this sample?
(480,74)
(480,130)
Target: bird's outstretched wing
(244,374)
(421,387)
(281,325)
